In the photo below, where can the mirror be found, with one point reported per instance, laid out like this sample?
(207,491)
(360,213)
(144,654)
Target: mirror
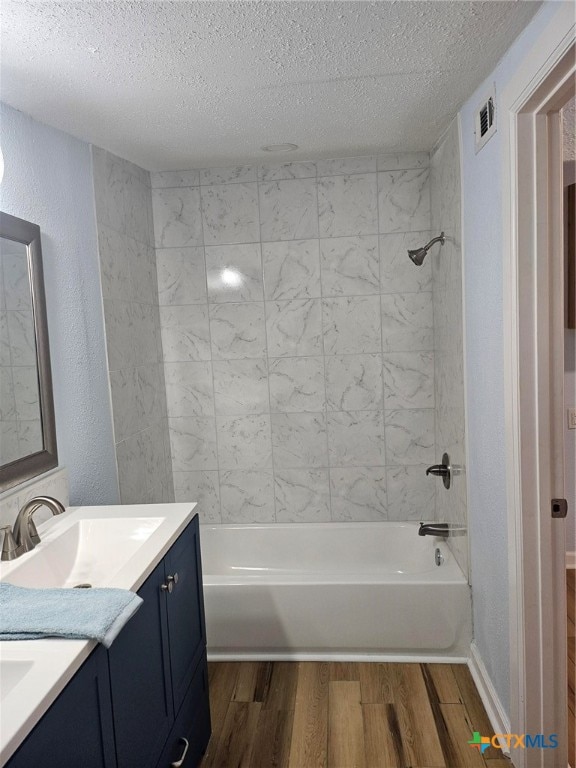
(27,428)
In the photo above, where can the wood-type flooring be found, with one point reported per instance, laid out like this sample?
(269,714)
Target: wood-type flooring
(346,715)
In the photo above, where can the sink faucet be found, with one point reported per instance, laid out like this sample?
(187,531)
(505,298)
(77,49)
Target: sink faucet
(25,534)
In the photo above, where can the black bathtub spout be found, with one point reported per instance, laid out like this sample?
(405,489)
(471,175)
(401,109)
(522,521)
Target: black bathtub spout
(434,529)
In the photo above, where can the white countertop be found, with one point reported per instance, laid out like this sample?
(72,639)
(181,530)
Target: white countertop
(52,663)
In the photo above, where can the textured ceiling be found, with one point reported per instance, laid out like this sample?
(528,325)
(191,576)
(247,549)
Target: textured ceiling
(173,85)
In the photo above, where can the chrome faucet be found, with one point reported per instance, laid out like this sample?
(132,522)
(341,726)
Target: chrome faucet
(25,535)
(441,529)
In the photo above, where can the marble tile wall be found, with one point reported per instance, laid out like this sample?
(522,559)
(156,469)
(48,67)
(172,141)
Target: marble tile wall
(20,425)
(53,483)
(451,505)
(132,320)
(298,339)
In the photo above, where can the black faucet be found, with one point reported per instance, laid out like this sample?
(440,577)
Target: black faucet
(434,529)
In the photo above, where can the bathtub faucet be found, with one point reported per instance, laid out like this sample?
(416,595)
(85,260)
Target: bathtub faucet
(434,529)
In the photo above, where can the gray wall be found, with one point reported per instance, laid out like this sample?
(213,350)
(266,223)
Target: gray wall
(483,238)
(451,504)
(130,293)
(48,180)
(298,339)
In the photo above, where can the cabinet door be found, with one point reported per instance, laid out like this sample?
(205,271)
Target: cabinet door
(140,680)
(185,610)
(77,730)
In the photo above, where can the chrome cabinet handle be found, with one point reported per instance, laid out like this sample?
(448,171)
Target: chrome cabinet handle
(172,579)
(167,587)
(180,762)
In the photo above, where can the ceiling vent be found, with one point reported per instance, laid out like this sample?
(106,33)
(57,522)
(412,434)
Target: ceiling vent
(485,122)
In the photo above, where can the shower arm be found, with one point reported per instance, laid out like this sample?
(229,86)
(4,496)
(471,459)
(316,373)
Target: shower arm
(440,239)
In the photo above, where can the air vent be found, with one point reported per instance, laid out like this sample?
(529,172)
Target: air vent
(485,120)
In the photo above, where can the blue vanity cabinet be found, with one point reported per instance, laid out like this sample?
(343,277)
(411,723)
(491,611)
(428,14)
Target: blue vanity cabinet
(158,667)
(77,731)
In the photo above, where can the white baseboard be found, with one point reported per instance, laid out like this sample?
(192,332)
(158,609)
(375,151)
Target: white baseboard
(496,714)
(416,658)
(570,559)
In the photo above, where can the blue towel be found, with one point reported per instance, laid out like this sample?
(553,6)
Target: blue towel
(76,614)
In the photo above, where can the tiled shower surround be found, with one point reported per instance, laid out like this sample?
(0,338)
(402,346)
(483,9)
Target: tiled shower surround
(298,339)
(130,294)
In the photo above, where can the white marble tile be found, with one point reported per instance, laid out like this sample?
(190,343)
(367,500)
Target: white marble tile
(230,174)
(244,442)
(204,489)
(7,401)
(124,409)
(354,382)
(351,325)
(397,272)
(131,471)
(302,495)
(136,210)
(294,328)
(408,380)
(142,264)
(16,282)
(189,390)
(358,494)
(22,337)
(151,394)
(110,179)
(237,330)
(288,210)
(355,438)
(407,322)
(403,161)
(9,444)
(5,354)
(297,384)
(26,394)
(114,264)
(234,273)
(193,443)
(410,494)
(350,266)
(185,333)
(347,165)
(163,179)
(230,213)
(409,437)
(291,269)
(282,171)
(177,217)
(347,205)
(118,335)
(247,496)
(30,438)
(181,276)
(144,321)
(299,440)
(241,387)
(404,200)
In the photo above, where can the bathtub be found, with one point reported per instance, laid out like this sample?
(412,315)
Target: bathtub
(339,591)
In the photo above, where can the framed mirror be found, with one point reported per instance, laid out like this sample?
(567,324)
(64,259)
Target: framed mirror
(27,425)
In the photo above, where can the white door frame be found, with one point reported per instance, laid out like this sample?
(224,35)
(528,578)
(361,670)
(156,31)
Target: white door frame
(533,348)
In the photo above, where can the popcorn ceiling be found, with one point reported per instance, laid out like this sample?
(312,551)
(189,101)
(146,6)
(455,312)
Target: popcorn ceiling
(172,85)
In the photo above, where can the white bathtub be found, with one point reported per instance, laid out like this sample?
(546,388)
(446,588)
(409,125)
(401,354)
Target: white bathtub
(332,591)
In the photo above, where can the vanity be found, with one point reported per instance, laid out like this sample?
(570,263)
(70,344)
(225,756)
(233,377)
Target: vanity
(143,703)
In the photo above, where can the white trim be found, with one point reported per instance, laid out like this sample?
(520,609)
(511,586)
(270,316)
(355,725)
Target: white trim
(533,542)
(494,708)
(570,560)
(396,658)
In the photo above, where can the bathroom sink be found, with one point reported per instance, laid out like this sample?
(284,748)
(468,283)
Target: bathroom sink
(11,673)
(91,551)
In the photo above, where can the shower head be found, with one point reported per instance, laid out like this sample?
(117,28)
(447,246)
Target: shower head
(418,255)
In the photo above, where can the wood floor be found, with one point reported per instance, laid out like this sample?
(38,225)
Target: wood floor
(571,605)
(344,715)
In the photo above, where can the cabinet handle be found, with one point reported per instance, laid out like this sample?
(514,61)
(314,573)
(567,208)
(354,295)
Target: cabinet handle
(167,587)
(180,762)
(173,578)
